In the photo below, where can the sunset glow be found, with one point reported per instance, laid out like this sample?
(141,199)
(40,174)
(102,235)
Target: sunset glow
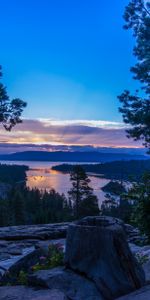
(88,132)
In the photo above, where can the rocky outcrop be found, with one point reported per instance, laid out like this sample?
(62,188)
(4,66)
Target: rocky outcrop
(143,254)
(97,248)
(10,272)
(74,286)
(17,258)
(34,232)
(141,294)
(100,263)
(134,235)
(26,293)
(21,246)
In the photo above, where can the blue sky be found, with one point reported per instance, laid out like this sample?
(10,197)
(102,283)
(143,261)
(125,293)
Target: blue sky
(68,59)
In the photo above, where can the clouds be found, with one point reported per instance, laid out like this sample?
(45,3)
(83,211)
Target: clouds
(69,132)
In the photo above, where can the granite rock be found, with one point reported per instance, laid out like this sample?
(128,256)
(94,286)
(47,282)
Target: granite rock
(97,248)
(26,293)
(74,286)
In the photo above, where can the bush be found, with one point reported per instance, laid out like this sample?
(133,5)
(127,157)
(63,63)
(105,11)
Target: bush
(54,258)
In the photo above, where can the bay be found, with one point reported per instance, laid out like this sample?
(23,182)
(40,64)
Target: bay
(41,176)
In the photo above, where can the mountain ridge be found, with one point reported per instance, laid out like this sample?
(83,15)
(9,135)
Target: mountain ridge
(64,156)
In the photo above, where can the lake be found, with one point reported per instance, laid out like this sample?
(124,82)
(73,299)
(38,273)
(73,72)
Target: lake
(41,176)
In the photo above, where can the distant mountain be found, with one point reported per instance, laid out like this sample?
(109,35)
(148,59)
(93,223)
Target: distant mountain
(6,148)
(63,156)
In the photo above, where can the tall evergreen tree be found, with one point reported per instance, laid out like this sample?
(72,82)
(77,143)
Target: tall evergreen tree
(136,107)
(19,208)
(81,194)
(139,193)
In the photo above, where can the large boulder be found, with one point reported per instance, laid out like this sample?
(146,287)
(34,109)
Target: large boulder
(74,286)
(9,269)
(35,232)
(146,268)
(141,294)
(97,248)
(26,293)
(134,235)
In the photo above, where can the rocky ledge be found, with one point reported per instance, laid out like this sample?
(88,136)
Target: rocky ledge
(39,232)
(25,293)
(99,262)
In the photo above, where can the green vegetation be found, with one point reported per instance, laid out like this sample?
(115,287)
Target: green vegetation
(121,208)
(119,170)
(132,206)
(10,110)
(25,206)
(136,107)
(114,187)
(22,278)
(13,174)
(54,258)
(142,258)
(140,195)
(84,202)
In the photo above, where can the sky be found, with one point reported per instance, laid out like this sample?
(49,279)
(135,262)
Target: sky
(69,60)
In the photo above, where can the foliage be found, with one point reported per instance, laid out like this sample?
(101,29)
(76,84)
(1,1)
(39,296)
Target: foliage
(89,206)
(120,208)
(13,174)
(81,194)
(10,110)
(141,257)
(22,278)
(121,170)
(25,206)
(133,206)
(136,108)
(114,187)
(140,195)
(54,258)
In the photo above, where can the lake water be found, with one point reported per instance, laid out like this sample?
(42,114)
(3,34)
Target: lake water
(41,176)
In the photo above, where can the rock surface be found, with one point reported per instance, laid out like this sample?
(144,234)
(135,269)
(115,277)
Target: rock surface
(13,262)
(26,293)
(97,248)
(39,232)
(20,245)
(146,268)
(134,235)
(74,286)
(141,294)
(11,265)
(144,254)
(22,264)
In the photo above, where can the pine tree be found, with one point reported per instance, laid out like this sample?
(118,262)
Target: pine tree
(81,194)
(89,206)
(136,107)
(139,193)
(19,208)
(10,110)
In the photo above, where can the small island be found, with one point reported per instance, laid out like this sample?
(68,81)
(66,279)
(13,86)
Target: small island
(114,187)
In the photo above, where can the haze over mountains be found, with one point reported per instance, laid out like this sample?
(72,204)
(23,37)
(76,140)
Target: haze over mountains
(9,148)
(74,156)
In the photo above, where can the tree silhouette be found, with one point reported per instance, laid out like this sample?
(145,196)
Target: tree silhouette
(81,194)
(136,107)
(10,110)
